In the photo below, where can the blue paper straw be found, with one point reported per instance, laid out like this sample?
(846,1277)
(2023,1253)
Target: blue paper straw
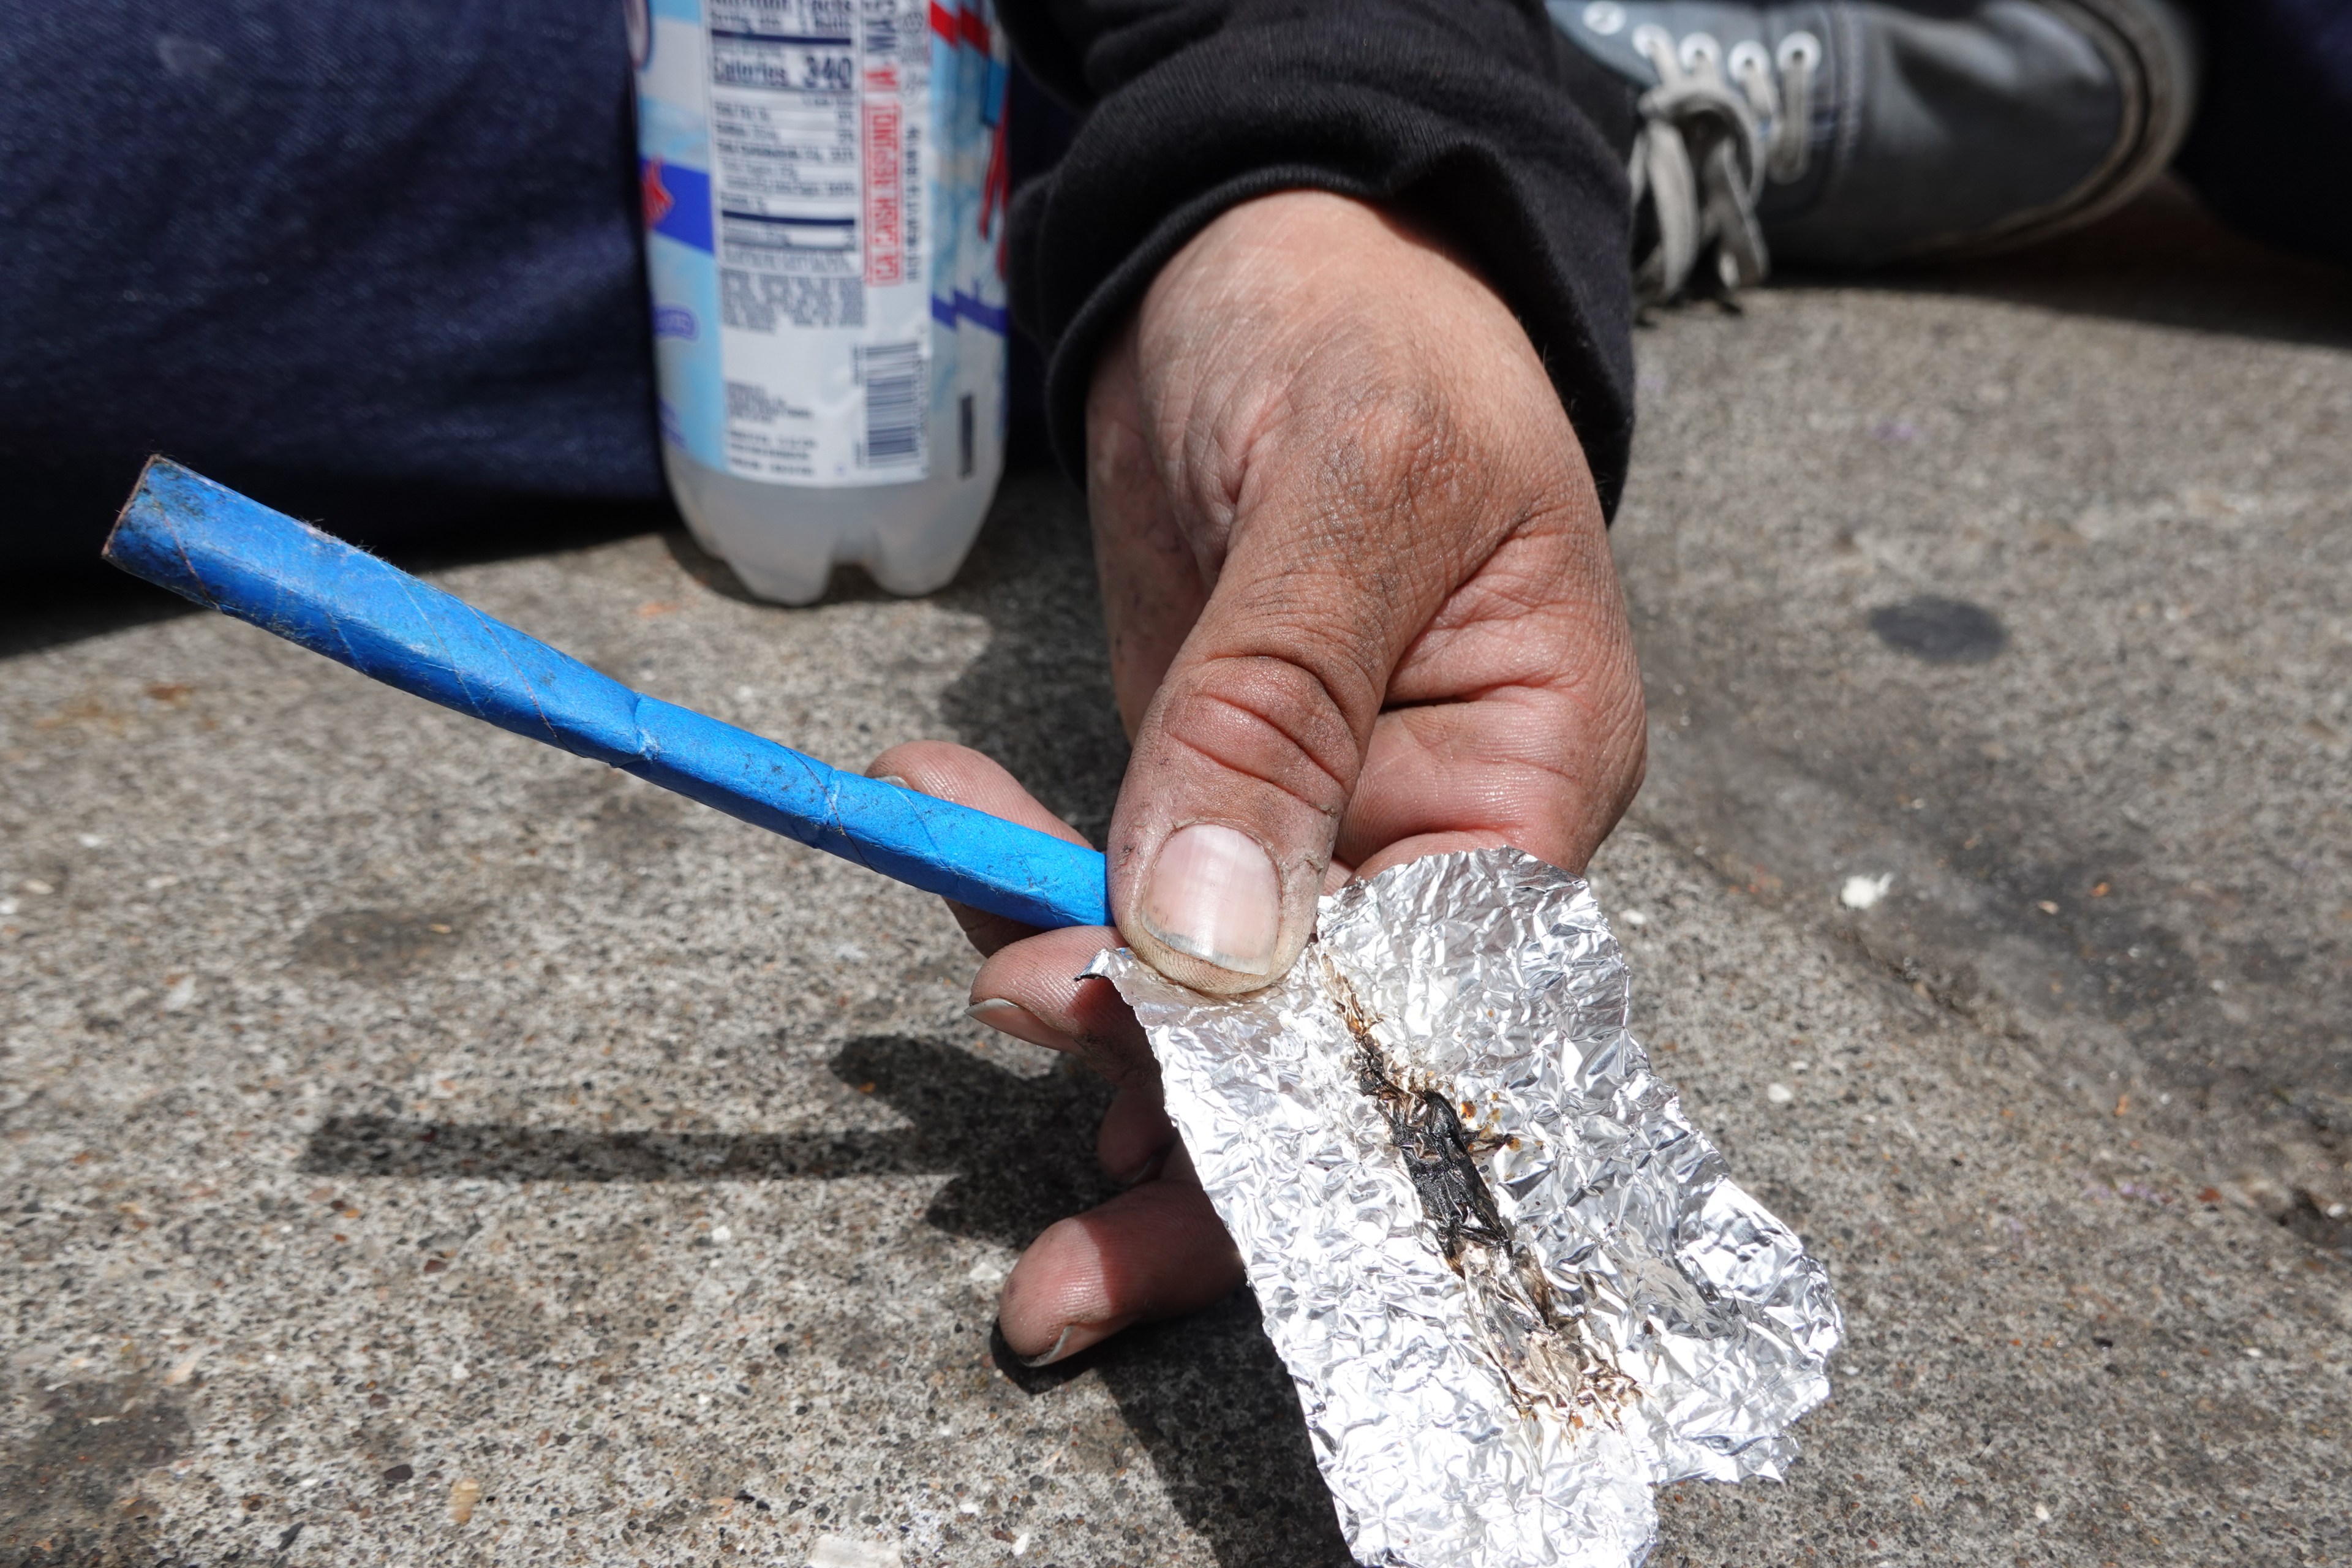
(183,532)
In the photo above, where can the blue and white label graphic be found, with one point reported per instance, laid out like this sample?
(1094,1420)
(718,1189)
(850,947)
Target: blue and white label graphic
(791,169)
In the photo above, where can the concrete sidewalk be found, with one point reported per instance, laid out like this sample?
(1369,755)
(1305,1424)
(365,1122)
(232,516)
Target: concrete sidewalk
(422,1146)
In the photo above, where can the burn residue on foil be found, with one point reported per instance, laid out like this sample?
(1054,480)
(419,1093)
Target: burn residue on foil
(1506,1323)
(1535,1335)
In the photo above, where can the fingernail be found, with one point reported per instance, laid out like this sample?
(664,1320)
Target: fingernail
(892,779)
(1012,1018)
(1060,1347)
(1215,896)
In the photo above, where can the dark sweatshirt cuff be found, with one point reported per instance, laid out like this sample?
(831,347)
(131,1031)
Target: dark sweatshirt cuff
(1474,115)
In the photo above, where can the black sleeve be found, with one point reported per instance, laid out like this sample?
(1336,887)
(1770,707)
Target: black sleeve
(1474,114)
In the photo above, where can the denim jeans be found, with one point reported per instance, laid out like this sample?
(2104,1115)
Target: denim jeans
(376,257)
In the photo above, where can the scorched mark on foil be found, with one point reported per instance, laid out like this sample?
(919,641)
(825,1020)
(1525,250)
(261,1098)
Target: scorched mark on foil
(1542,1344)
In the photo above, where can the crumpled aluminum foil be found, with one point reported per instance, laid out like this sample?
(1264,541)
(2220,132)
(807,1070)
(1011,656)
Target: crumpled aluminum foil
(1615,1314)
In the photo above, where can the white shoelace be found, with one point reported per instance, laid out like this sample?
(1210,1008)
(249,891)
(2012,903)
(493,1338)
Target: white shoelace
(1705,151)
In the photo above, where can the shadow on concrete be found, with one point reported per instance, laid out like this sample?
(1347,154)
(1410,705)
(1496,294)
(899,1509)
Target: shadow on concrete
(1206,1395)
(71,1491)
(1210,1399)
(1019,1149)
(74,605)
(2162,259)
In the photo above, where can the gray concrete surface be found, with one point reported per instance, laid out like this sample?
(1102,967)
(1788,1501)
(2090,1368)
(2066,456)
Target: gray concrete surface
(397,1117)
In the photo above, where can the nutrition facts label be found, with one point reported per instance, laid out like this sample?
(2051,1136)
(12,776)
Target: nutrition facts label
(818,128)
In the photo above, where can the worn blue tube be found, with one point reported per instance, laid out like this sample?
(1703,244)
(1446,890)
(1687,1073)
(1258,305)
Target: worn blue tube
(207,544)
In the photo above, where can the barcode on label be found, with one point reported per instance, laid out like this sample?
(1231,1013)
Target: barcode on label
(893,376)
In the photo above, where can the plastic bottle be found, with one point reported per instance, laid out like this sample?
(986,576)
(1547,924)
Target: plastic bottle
(824,186)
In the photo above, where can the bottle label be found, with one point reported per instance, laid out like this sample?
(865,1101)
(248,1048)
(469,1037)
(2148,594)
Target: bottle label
(790,160)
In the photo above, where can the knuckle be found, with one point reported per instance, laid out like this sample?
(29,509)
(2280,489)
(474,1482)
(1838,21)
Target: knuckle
(1273,720)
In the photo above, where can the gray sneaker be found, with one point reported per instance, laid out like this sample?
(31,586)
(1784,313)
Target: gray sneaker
(1851,132)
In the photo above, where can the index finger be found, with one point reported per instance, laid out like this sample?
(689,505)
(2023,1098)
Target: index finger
(949,772)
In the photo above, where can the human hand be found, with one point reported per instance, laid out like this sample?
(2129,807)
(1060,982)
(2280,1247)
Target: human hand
(1361,608)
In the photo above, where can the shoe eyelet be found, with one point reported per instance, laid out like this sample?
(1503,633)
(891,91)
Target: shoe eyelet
(1799,49)
(1746,56)
(1604,18)
(1700,48)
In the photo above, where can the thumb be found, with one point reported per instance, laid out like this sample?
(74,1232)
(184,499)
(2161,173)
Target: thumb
(1246,758)
(1331,461)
